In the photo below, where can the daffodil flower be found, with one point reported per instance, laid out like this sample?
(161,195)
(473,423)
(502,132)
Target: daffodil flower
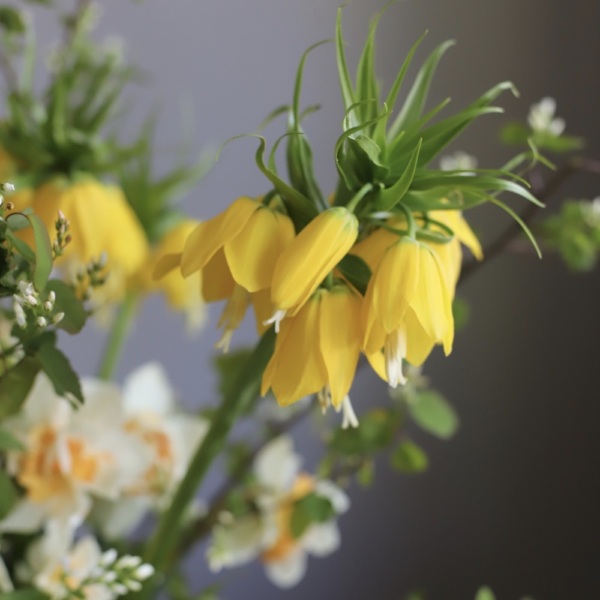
(309,258)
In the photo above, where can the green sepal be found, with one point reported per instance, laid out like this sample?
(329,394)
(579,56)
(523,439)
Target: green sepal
(356,271)
(67,302)
(308,510)
(521,223)
(434,414)
(407,458)
(389,197)
(15,385)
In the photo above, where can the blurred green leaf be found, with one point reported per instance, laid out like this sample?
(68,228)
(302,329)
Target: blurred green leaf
(376,431)
(60,372)
(8,494)
(43,252)
(26,594)
(310,509)
(409,458)
(9,441)
(356,271)
(68,303)
(433,413)
(11,20)
(460,312)
(485,593)
(366,474)
(15,385)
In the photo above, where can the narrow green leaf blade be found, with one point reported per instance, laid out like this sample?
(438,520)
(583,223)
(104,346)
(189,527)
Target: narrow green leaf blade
(60,372)
(43,252)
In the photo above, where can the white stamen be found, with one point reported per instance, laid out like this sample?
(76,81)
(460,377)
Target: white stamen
(349,418)
(276,318)
(395,352)
(225,341)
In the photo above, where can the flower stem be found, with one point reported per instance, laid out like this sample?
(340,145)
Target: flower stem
(243,391)
(117,336)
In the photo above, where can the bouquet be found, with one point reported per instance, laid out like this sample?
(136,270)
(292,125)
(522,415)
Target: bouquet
(103,480)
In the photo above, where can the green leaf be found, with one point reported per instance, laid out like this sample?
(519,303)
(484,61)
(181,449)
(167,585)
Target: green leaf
(68,303)
(342,67)
(26,594)
(15,385)
(60,372)
(389,197)
(409,458)
(366,474)
(11,20)
(376,431)
(8,494)
(356,271)
(433,413)
(9,442)
(485,593)
(460,312)
(21,247)
(43,252)
(308,510)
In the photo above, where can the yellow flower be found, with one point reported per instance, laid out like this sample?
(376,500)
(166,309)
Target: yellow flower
(248,236)
(310,257)
(317,349)
(407,307)
(183,294)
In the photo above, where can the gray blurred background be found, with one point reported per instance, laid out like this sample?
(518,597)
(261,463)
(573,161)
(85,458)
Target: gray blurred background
(513,500)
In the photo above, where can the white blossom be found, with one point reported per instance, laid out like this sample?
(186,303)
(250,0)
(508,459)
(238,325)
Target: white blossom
(542,120)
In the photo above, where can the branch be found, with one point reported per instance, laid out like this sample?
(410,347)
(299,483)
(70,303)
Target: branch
(577,164)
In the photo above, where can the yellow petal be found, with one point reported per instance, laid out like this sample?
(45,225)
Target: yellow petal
(462,231)
(210,236)
(263,309)
(418,344)
(395,282)
(296,368)
(217,282)
(253,252)
(372,248)
(339,339)
(311,256)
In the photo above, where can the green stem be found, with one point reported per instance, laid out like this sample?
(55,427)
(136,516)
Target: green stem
(117,336)
(364,190)
(410,221)
(244,389)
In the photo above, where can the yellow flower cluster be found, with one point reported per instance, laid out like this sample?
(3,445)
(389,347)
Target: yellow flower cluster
(250,253)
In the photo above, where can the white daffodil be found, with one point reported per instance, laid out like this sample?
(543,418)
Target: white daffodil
(169,436)
(62,568)
(267,534)
(71,455)
(542,120)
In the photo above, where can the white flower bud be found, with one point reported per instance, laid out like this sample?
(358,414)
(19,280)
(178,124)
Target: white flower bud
(31,299)
(144,571)
(20,316)
(109,577)
(52,296)
(128,562)
(119,589)
(108,557)
(134,586)
(58,317)
(48,305)
(42,321)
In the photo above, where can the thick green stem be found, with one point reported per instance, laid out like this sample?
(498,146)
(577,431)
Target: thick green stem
(245,389)
(117,336)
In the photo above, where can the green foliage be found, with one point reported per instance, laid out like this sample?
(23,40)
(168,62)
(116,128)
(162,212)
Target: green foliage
(24,594)
(433,413)
(68,303)
(310,509)
(516,133)
(575,233)
(376,431)
(59,370)
(11,20)
(485,593)
(409,458)
(460,312)
(8,494)
(356,271)
(8,441)
(15,384)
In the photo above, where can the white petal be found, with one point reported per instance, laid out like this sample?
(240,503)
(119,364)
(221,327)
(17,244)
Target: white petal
(322,539)
(5,582)
(148,389)
(277,465)
(117,519)
(26,517)
(288,571)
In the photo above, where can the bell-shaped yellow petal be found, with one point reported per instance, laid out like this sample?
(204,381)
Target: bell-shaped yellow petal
(372,248)
(418,343)
(217,282)
(263,309)
(455,220)
(340,338)
(311,256)
(253,252)
(296,368)
(210,236)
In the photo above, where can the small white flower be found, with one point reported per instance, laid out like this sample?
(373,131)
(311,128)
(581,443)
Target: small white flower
(541,117)
(458,161)
(42,322)
(20,316)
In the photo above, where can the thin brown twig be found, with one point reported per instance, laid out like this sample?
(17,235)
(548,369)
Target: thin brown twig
(577,164)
